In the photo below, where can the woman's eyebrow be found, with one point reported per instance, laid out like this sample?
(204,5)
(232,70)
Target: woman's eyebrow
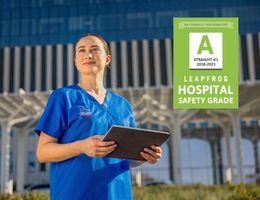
(94,46)
(81,47)
(90,47)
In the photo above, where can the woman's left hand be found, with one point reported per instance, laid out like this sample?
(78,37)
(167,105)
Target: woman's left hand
(152,155)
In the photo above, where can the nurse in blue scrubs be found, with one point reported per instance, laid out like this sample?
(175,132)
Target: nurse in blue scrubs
(72,126)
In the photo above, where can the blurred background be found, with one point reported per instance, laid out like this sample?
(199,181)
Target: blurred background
(36,56)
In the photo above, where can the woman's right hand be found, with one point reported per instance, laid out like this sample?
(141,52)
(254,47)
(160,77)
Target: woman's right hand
(94,147)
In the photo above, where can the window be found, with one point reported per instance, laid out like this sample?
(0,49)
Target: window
(31,161)
(151,63)
(5,28)
(139,20)
(163,63)
(254,122)
(65,65)
(11,166)
(54,67)
(33,68)
(244,57)
(22,69)
(43,78)
(191,125)
(34,26)
(164,19)
(110,22)
(25,27)
(108,77)
(15,27)
(44,25)
(119,65)
(204,124)
(140,64)
(43,167)
(75,74)
(129,60)
(256,56)
(242,122)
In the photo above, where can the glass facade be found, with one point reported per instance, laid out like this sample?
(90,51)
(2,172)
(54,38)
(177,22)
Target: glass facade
(39,22)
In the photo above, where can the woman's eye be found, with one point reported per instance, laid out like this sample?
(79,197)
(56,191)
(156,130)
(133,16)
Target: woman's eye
(81,50)
(95,49)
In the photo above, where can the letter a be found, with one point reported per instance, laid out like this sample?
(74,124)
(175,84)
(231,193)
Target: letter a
(205,45)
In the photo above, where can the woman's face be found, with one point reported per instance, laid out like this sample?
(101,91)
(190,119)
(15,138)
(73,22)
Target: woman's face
(90,55)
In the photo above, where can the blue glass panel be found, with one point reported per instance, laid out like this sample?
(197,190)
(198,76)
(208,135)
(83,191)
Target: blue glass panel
(5,4)
(25,27)
(63,26)
(35,3)
(191,125)
(44,12)
(25,13)
(215,126)
(26,3)
(5,28)
(15,27)
(72,11)
(15,13)
(63,38)
(54,12)
(204,124)
(44,27)
(2,42)
(35,26)
(254,122)
(5,15)
(24,40)
(35,13)
(242,123)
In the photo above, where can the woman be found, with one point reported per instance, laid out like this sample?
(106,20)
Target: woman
(73,124)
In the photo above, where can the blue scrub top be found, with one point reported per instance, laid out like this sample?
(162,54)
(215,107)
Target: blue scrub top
(72,114)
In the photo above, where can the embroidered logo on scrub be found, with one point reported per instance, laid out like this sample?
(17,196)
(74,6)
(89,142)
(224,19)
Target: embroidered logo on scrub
(84,112)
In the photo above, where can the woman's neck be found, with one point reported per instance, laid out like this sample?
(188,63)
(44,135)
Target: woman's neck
(93,84)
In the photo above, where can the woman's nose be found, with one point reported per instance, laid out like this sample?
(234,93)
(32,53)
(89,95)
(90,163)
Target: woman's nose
(89,56)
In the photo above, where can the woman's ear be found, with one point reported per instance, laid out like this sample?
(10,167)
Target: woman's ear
(109,59)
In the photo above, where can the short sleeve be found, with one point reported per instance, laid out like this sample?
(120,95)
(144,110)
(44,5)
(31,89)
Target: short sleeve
(52,121)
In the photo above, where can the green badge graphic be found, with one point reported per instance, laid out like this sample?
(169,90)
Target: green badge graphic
(205,63)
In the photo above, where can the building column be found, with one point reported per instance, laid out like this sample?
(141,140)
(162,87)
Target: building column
(170,158)
(213,160)
(219,161)
(237,135)
(21,160)
(229,170)
(5,158)
(256,156)
(176,149)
